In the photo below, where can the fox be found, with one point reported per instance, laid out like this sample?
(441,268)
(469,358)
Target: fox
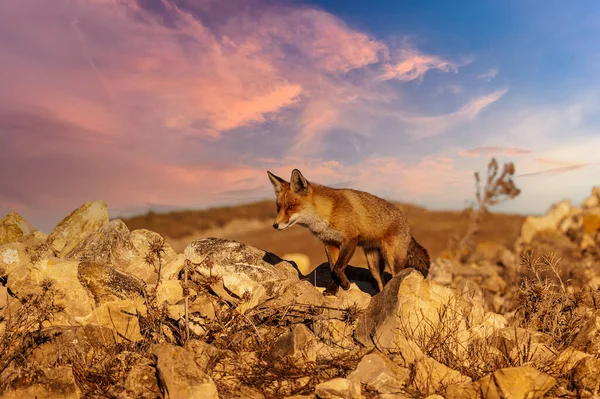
(343,219)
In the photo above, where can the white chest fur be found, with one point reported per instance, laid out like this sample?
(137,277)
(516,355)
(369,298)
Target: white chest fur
(324,232)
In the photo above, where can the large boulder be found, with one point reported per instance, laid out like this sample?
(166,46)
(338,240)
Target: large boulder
(74,228)
(148,263)
(551,221)
(13,227)
(110,245)
(411,306)
(121,316)
(27,280)
(106,283)
(245,271)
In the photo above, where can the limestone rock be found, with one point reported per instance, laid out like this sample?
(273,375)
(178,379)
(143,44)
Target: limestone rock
(106,283)
(586,372)
(551,221)
(27,279)
(13,227)
(180,376)
(11,256)
(141,267)
(245,270)
(171,269)
(593,201)
(441,271)
(120,316)
(514,382)
(141,383)
(298,345)
(339,388)
(77,226)
(110,245)
(408,303)
(381,374)
(588,338)
(169,291)
(298,293)
(334,332)
(353,298)
(48,383)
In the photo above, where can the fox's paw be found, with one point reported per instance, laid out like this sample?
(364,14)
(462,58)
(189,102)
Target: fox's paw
(345,285)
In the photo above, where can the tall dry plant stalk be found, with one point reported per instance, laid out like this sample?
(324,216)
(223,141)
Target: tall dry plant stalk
(499,187)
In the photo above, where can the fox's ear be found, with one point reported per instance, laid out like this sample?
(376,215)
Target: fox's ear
(298,182)
(277,182)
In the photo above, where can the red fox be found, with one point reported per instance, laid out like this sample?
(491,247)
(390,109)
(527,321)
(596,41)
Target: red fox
(343,219)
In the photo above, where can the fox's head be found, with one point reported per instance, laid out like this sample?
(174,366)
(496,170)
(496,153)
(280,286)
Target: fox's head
(293,199)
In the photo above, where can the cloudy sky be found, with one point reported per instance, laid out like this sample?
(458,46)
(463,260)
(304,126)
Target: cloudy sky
(169,104)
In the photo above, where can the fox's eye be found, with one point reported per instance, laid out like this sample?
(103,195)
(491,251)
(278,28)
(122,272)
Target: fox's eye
(290,207)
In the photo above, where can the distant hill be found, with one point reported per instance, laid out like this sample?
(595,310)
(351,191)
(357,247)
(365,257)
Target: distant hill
(251,223)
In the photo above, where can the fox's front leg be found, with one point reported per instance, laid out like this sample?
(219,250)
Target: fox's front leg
(338,273)
(333,253)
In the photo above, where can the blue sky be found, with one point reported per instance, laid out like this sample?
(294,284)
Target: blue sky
(167,104)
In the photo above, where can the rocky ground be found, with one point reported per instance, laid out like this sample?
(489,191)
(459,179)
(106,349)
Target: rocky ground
(96,310)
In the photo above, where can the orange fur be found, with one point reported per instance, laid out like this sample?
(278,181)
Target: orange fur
(343,219)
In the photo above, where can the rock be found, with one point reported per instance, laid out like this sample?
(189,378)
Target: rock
(141,383)
(381,374)
(441,271)
(593,201)
(146,265)
(298,345)
(534,224)
(567,360)
(301,261)
(514,382)
(591,224)
(354,297)
(120,316)
(204,353)
(13,227)
(12,256)
(110,245)
(171,269)
(495,284)
(74,228)
(169,291)
(588,338)
(341,388)
(3,297)
(586,372)
(298,293)
(106,284)
(247,272)
(409,304)
(334,332)
(48,383)
(61,340)
(180,376)
(26,280)
(431,376)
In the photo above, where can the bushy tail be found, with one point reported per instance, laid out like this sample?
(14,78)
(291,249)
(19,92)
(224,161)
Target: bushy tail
(418,257)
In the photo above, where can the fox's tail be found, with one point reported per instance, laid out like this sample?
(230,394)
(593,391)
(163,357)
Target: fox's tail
(418,257)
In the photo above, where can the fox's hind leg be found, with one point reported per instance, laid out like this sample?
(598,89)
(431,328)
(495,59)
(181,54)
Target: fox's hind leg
(376,265)
(333,252)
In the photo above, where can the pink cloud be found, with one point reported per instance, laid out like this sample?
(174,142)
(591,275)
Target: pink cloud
(412,65)
(494,151)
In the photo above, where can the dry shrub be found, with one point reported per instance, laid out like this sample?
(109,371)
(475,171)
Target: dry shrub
(498,187)
(23,330)
(546,303)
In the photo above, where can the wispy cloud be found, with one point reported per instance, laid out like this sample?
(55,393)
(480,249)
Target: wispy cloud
(556,171)
(495,151)
(425,126)
(488,75)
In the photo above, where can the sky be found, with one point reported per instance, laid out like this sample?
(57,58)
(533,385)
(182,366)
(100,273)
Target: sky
(178,104)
